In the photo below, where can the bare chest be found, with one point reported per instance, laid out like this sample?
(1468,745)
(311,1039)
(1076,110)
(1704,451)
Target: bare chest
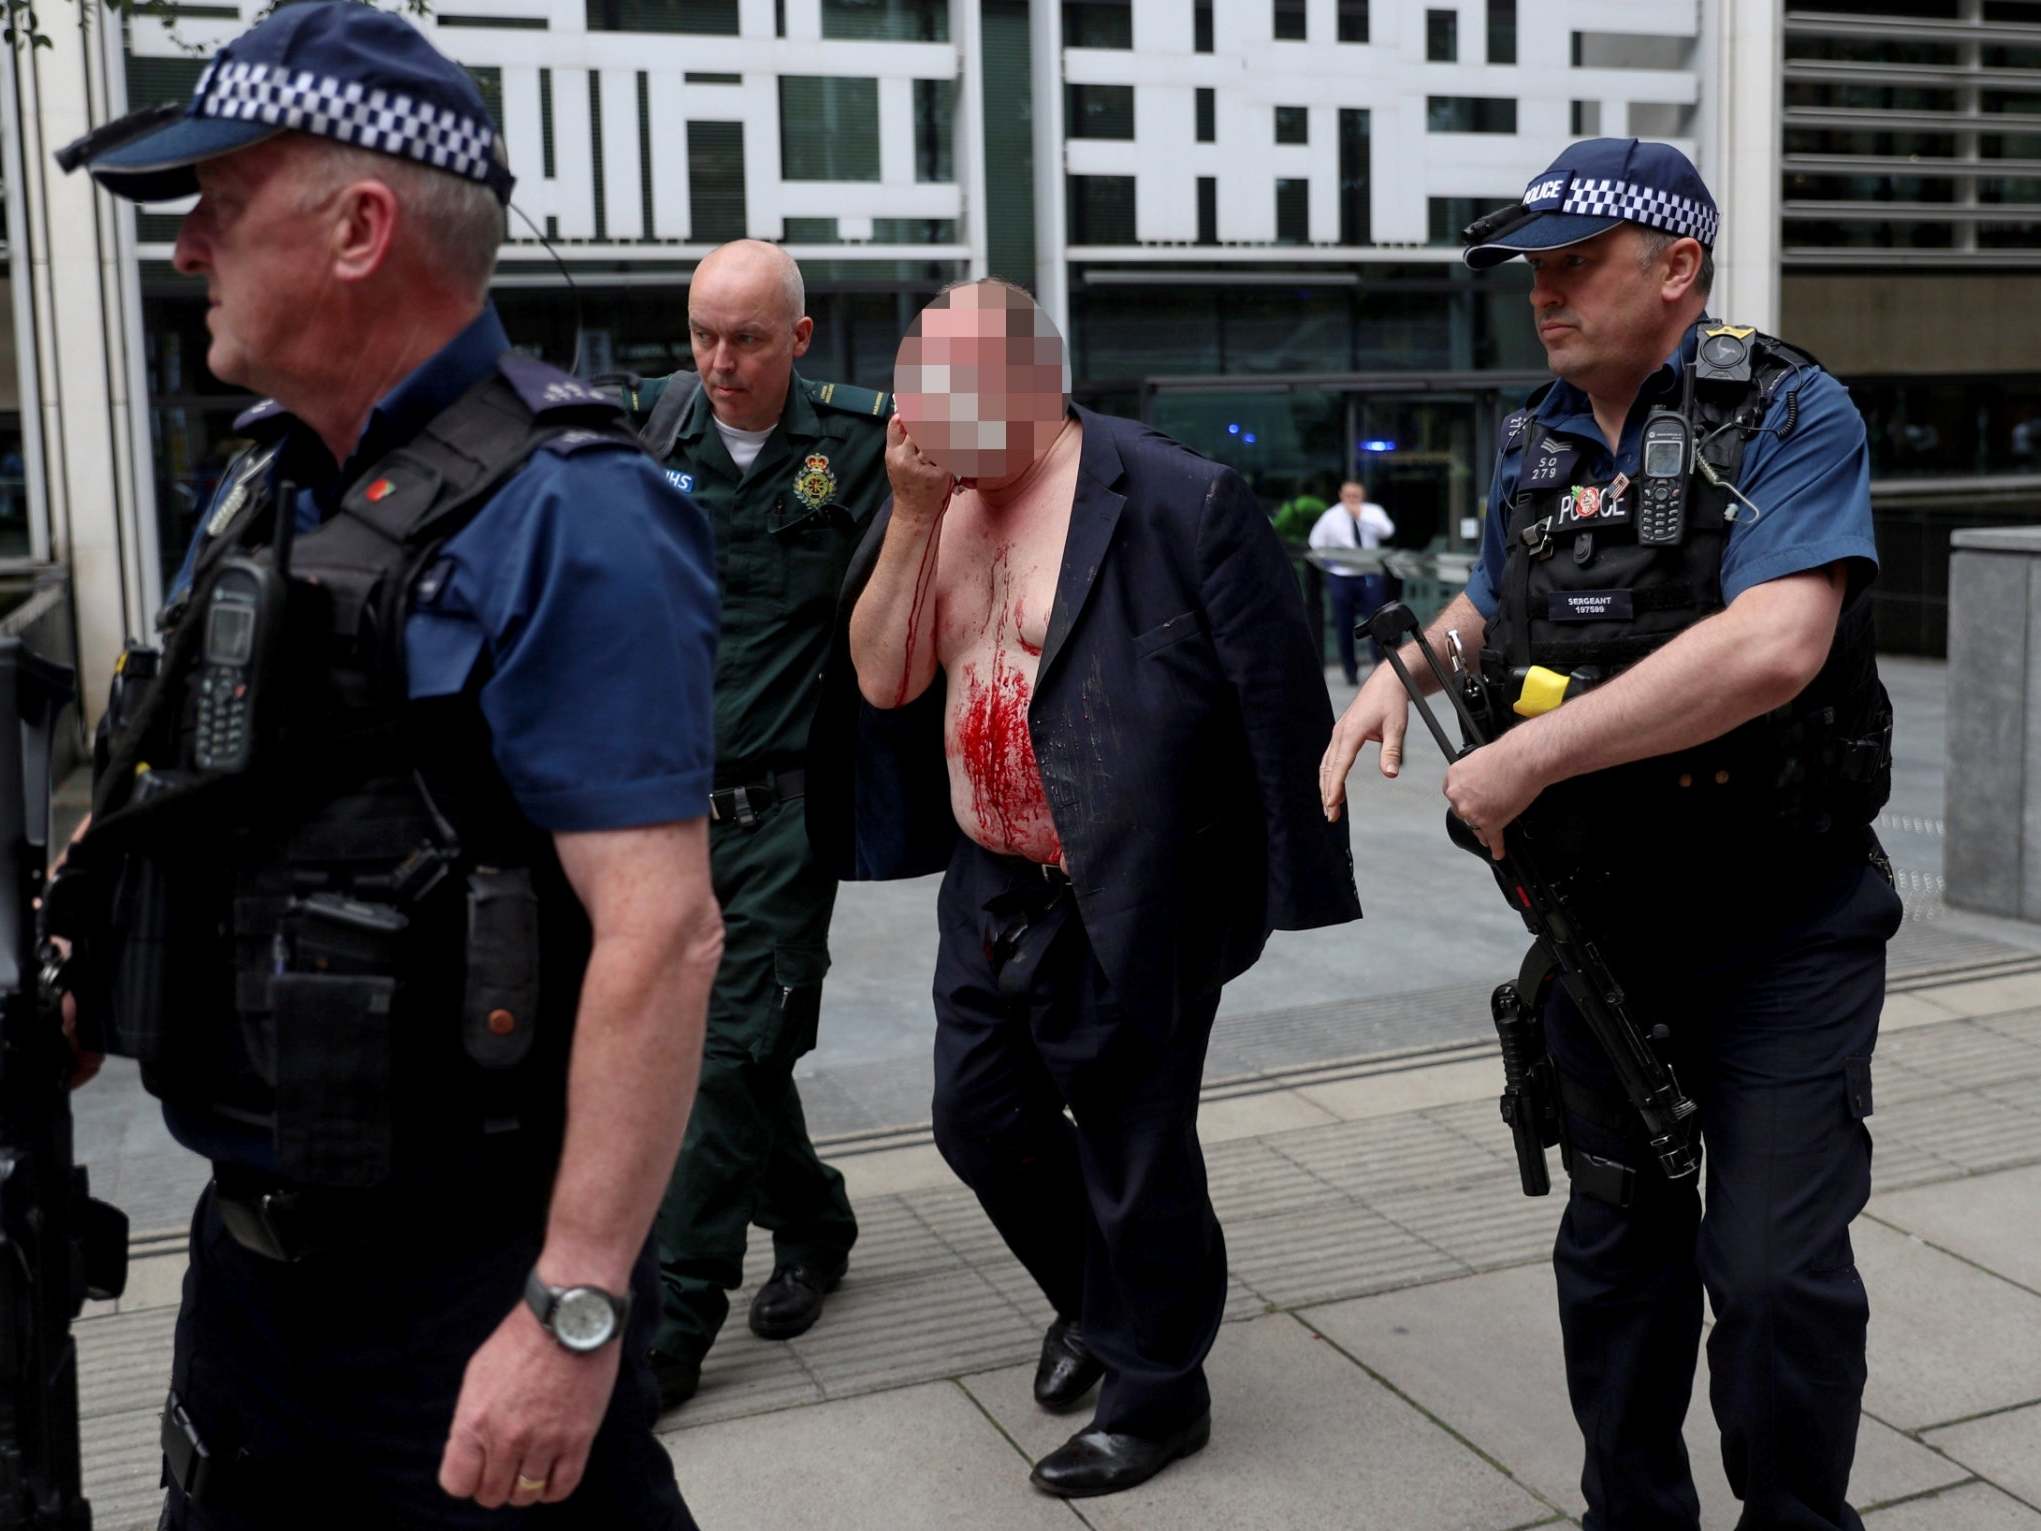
(996,583)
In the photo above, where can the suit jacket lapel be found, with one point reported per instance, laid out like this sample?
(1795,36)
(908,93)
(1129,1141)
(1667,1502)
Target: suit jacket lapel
(1094,514)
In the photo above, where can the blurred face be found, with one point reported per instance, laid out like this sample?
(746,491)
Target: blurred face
(744,339)
(265,255)
(979,382)
(1353,497)
(1599,311)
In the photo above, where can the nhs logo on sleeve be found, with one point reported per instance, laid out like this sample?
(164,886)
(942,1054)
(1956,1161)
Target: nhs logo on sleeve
(684,482)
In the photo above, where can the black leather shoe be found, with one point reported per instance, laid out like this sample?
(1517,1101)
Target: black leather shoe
(791,1301)
(1068,1371)
(1094,1462)
(678,1378)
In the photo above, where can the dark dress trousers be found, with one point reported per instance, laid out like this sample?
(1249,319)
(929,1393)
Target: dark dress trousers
(1178,719)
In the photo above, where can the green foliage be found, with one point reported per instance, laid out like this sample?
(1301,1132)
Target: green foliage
(1294,518)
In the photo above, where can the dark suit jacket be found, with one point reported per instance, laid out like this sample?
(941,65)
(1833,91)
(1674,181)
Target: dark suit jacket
(1179,716)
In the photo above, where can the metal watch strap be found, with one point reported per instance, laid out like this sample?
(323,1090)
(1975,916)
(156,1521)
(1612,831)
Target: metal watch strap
(542,1300)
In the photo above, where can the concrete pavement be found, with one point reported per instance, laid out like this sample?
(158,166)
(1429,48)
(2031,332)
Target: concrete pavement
(1391,1353)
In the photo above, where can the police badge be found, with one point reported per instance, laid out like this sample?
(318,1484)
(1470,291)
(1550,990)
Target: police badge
(815,485)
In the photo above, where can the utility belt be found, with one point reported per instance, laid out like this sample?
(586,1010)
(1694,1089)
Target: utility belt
(743,792)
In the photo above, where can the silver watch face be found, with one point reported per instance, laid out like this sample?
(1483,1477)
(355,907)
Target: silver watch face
(583,1318)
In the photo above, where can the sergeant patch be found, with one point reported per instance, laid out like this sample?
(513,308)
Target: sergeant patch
(815,485)
(1588,606)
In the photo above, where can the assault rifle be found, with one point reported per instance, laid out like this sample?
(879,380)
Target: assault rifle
(57,1245)
(1565,952)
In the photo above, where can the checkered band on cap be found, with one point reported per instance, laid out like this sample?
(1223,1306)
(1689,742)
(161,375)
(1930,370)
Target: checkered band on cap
(1607,197)
(389,122)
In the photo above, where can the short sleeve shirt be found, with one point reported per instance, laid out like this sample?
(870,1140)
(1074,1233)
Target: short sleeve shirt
(584,590)
(1812,488)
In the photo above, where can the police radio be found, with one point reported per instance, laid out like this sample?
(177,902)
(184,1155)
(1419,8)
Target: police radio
(242,615)
(1662,498)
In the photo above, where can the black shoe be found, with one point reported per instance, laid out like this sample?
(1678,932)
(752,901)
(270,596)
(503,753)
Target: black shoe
(677,1376)
(791,1301)
(1094,1462)
(1068,1371)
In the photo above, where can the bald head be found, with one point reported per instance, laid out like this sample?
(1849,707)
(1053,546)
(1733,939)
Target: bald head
(747,322)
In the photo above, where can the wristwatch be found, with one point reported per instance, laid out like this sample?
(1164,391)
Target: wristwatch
(580,1318)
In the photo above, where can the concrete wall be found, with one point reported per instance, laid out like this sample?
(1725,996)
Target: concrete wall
(1933,322)
(1993,852)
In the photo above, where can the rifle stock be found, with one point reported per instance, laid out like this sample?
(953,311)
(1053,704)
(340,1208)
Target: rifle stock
(57,1245)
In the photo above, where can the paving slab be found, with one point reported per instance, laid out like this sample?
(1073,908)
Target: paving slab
(2004,1449)
(1302,1440)
(918,1459)
(1973,1507)
(1989,996)
(1903,1011)
(1988,1219)
(1254,1116)
(1948,1340)
(1483,1356)
(1387,1094)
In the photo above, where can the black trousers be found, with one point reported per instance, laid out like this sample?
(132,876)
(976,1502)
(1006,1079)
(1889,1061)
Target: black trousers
(1110,1215)
(326,1388)
(1774,1024)
(1353,596)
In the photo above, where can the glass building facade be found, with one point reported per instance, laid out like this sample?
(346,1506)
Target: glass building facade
(1260,261)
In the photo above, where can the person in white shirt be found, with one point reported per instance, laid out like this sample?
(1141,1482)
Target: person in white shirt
(1355,522)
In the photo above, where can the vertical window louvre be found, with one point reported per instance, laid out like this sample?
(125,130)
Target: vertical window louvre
(546,123)
(1442,37)
(1502,31)
(1207,100)
(1354,145)
(1201,26)
(1293,212)
(715,181)
(1208,210)
(1293,125)
(1353,21)
(1289,20)
(935,130)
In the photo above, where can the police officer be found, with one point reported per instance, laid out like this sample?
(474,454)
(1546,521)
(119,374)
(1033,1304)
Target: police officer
(397,877)
(789,473)
(1673,594)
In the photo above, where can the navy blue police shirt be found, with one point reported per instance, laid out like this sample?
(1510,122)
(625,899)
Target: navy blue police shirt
(588,581)
(1812,489)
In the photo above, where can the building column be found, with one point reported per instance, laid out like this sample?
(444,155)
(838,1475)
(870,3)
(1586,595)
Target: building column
(1741,144)
(967,27)
(79,339)
(1052,261)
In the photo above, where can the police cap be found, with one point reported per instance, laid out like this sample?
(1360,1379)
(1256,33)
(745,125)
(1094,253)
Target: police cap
(1593,186)
(333,68)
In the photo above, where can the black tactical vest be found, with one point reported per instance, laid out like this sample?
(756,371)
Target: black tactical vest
(358,942)
(1581,595)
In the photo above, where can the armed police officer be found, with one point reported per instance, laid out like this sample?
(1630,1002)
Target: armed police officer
(789,473)
(1672,603)
(397,879)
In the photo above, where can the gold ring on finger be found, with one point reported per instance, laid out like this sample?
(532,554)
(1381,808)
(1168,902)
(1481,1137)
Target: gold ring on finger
(530,1485)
